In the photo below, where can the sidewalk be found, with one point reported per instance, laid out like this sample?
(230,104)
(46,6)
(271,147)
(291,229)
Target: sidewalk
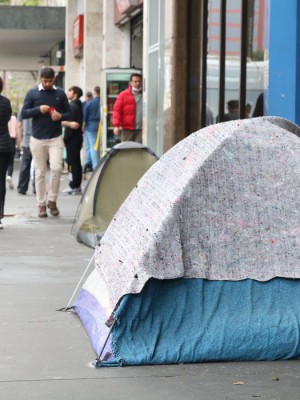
(45,354)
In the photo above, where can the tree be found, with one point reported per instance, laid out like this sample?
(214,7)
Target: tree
(33,3)
(15,90)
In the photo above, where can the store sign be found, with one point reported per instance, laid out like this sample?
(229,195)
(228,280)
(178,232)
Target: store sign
(127,9)
(78,32)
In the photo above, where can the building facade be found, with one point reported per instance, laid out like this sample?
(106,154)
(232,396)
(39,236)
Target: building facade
(164,40)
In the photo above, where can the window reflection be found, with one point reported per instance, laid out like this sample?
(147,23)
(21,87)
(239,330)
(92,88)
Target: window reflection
(255,54)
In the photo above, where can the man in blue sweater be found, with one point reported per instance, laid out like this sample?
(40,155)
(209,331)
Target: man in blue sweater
(48,106)
(91,116)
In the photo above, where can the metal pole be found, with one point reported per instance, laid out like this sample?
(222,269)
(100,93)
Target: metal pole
(244,53)
(69,305)
(222,61)
(204,61)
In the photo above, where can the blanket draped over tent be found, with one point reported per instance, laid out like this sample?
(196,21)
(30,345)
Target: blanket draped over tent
(222,207)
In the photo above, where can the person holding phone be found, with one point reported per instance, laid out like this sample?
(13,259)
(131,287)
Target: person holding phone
(48,106)
(6,147)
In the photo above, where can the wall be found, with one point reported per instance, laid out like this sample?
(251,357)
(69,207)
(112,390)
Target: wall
(93,40)
(116,40)
(105,45)
(85,71)
(73,76)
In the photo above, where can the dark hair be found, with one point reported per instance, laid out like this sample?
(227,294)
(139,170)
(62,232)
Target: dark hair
(1,84)
(47,72)
(97,90)
(77,90)
(135,74)
(89,94)
(233,104)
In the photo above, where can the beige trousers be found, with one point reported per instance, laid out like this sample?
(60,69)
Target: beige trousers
(134,136)
(42,151)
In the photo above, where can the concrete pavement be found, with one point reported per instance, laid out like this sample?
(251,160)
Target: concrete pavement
(45,354)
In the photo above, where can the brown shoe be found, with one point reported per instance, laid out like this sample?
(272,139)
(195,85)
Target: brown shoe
(43,212)
(53,208)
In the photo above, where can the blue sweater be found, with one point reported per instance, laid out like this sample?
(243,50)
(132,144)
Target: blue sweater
(92,114)
(42,125)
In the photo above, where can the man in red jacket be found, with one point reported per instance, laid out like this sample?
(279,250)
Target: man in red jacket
(128,111)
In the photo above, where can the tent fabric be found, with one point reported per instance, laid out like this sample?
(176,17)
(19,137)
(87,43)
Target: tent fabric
(201,320)
(114,178)
(201,261)
(92,306)
(223,204)
(93,317)
(197,320)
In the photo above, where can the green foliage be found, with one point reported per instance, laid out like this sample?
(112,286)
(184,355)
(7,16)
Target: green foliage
(258,55)
(25,2)
(15,91)
(33,3)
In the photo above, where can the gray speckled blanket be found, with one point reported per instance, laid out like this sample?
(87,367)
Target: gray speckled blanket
(223,204)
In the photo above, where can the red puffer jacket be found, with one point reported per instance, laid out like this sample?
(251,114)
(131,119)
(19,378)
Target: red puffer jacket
(124,110)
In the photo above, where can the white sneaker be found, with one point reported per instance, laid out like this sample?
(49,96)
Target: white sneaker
(77,191)
(68,190)
(9,182)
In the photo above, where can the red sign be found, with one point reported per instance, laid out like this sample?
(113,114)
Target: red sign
(78,32)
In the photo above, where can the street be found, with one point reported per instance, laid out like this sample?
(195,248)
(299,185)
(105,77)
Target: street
(45,354)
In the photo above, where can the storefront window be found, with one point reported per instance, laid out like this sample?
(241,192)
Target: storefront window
(233,40)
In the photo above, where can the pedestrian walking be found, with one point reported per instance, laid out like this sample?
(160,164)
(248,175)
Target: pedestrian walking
(128,111)
(5,147)
(88,166)
(248,109)
(91,116)
(48,106)
(26,159)
(233,111)
(15,137)
(73,139)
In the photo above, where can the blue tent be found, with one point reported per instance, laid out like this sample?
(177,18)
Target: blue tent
(201,262)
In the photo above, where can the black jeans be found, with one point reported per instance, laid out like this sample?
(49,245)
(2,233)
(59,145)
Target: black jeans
(73,148)
(4,162)
(24,176)
(12,158)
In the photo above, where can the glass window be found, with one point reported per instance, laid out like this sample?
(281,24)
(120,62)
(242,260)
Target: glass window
(255,53)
